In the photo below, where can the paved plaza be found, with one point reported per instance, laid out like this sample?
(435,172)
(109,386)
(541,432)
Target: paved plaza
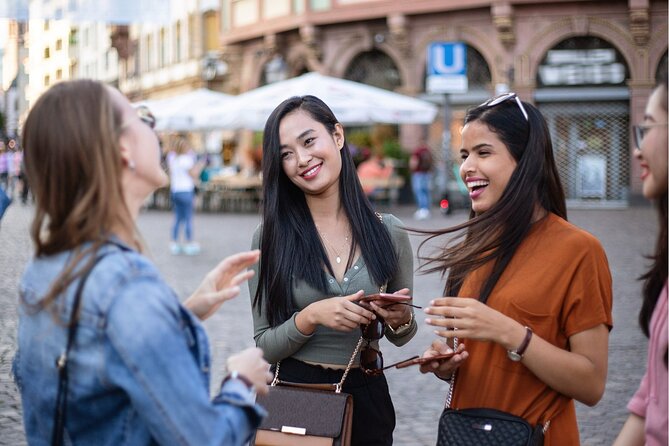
(626,236)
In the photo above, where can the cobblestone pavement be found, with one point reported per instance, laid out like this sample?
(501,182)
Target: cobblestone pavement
(625,234)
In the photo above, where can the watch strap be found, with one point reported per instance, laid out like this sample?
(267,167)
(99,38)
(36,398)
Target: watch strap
(526,341)
(402,328)
(238,376)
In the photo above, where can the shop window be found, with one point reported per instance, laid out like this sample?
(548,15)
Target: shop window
(591,149)
(374,68)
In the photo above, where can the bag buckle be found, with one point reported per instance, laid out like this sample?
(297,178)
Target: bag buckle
(293,430)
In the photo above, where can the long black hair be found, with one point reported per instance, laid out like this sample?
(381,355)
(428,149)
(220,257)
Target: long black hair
(656,276)
(496,234)
(290,245)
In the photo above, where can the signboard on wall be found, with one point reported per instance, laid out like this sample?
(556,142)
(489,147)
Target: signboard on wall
(582,67)
(446,67)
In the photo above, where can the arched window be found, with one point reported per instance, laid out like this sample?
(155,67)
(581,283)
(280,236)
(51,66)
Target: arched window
(374,68)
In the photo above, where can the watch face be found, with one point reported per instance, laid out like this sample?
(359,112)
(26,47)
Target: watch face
(513,356)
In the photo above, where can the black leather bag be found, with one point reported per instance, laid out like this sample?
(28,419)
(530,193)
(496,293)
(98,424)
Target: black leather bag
(307,414)
(486,427)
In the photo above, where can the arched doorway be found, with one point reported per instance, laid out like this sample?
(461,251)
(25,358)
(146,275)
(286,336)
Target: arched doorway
(374,68)
(582,93)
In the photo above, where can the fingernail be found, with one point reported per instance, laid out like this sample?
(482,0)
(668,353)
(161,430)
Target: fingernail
(428,320)
(427,310)
(436,332)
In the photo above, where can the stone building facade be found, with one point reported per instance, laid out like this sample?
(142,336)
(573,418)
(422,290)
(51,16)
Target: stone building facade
(588,65)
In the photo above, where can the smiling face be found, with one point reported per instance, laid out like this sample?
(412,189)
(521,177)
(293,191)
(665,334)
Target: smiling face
(652,154)
(310,154)
(487,165)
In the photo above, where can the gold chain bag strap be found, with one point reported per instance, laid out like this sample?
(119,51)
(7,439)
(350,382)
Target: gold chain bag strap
(463,427)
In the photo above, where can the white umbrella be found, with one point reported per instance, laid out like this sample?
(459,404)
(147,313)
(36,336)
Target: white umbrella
(352,103)
(181,112)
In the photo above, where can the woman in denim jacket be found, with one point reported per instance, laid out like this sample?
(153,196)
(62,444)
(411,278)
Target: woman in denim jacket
(139,365)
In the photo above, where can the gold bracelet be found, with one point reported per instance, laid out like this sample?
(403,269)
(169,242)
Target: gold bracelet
(402,328)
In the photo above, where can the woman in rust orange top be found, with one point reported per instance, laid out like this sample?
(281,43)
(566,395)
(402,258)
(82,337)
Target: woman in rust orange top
(533,306)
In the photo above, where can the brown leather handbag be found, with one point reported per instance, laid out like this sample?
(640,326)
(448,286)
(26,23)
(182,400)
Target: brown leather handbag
(307,414)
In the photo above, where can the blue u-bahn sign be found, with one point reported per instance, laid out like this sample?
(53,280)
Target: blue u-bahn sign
(446,67)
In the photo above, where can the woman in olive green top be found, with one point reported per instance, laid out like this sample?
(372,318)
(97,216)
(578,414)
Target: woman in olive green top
(322,249)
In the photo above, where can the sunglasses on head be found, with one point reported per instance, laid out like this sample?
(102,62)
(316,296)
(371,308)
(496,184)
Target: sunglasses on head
(506,97)
(371,359)
(145,115)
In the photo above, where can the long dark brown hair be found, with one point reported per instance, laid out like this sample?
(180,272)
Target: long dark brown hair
(73,164)
(656,276)
(496,234)
(290,245)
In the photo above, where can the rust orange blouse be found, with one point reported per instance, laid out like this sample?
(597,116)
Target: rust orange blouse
(558,284)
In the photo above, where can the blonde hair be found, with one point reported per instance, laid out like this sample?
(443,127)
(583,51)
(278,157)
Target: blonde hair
(180,145)
(73,164)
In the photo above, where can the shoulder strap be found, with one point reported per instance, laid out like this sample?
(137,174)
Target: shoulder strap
(336,387)
(449,397)
(61,363)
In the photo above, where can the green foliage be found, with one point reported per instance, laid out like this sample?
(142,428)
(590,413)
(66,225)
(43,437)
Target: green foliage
(359,138)
(393,149)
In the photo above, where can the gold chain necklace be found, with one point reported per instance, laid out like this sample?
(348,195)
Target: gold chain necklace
(331,246)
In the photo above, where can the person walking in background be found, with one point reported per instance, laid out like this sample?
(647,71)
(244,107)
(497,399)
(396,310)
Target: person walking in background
(323,248)
(184,171)
(420,164)
(528,294)
(138,365)
(648,420)
(373,170)
(4,167)
(5,201)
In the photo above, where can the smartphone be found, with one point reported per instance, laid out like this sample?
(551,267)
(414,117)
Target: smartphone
(422,360)
(384,299)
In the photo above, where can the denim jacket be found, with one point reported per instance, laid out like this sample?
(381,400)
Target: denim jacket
(138,368)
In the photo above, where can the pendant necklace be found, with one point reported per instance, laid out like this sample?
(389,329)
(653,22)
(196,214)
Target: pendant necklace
(331,246)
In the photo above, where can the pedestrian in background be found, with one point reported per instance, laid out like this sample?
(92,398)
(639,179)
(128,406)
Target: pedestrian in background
(184,172)
(4,166)
(323,248)
(376,169)
(420,164)
(647,423)
(137,369)
(528,294)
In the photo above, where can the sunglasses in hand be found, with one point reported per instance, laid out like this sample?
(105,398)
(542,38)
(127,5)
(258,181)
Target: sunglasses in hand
(371,359)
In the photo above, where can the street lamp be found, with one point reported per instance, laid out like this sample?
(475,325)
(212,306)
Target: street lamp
(276,70)
(213,67)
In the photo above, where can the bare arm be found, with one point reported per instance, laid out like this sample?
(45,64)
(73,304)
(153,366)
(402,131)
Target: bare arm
(632,433)
(579,373)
